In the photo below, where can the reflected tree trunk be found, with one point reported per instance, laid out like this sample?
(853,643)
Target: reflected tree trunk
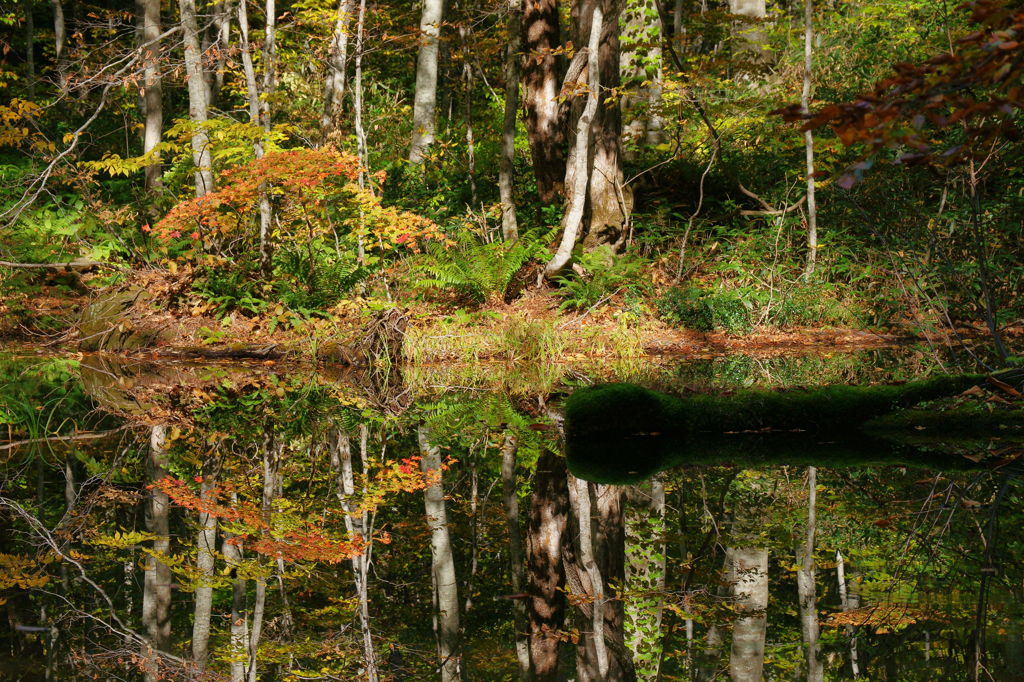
(206,547)
(358,524)
(232,549)
(510,500)
(747,576)
(805,583)
(442,562)
(156,590)
(546,526)
(271,460)
(645,577)
(847,602)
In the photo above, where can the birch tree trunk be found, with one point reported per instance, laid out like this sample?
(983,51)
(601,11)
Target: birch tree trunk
(546,526)
(506,187)
(577,199)
(198,98)
(269,86)
(588,670)
(206,546)
(805,583)
(510,500)
(544,126)
(748,577)
(270,473)
(805,103)
(442,563)
(337,63)
(424,110)
(152,96)
(156,590)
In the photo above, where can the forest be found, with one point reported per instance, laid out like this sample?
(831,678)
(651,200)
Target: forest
(539,340)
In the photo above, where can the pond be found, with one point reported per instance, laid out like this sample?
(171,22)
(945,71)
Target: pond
(265,521)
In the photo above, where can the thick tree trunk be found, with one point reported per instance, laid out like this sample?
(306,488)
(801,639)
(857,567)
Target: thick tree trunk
(546,526)
(805,583)
(198,98)
(156,590)
(337,63)
(424,110)
(749,54)
(748,577)
(805,102)
(517,572)
(544,126)
(609,200)
(513,62)
(152,96)
(206,546)
(442,563)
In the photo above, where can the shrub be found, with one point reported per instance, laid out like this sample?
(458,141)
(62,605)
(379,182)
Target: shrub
(705,311)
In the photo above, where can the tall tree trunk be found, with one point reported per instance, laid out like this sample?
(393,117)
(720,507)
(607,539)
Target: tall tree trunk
(156,590)
(337,64)
(748,577)
(640,66)
(805,583)
(269,86)
(206,546)
(592,657)
(152,97)
(442,562)
(362,148)
(510,499)
(513,61)
(30,48)
(424,110)
(544,126)
(198,98)
(546,527)
(805,102)
(467,76)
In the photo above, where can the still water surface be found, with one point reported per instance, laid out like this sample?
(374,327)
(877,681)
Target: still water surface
(255,521)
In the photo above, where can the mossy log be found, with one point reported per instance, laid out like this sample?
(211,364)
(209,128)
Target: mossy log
(622,433)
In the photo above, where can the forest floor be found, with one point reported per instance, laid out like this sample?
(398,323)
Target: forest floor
(175,322)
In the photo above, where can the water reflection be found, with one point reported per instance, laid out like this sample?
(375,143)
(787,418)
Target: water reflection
(252,523)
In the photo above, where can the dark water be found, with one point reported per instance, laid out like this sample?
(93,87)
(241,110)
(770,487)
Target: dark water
(419,527)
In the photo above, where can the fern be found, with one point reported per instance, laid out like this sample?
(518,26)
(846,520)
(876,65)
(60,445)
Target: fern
(480,272)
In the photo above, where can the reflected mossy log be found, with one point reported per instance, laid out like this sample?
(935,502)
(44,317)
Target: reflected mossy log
(622,433)
(623,410)
(630,460)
